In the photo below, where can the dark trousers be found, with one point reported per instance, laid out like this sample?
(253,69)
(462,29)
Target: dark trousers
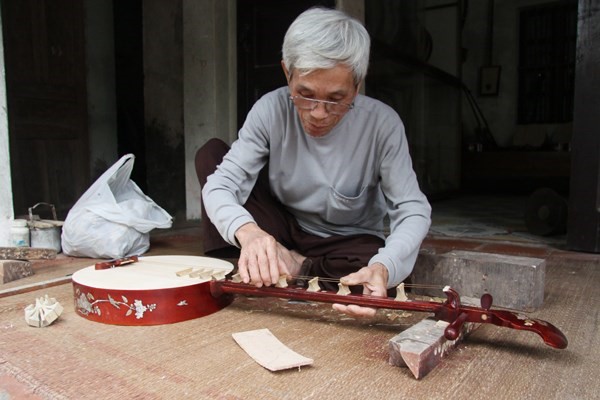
(331,257)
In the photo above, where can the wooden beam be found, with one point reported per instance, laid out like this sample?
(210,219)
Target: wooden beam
(35,286)
(26,253)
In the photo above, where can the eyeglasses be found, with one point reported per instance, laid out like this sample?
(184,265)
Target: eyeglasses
(331,107)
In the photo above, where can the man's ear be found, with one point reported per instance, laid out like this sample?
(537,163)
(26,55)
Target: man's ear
(286,72)
(358,86)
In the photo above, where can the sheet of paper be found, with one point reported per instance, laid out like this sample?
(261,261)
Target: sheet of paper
(268,351)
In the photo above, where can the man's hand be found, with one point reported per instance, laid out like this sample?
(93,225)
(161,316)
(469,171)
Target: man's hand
(374,280)
(262,259)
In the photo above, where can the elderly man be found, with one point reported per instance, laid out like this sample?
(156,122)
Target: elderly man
(305,189)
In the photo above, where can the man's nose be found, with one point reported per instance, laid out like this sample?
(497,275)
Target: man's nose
(319,111)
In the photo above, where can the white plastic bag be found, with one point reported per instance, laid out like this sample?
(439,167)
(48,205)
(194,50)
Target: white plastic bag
(113,218)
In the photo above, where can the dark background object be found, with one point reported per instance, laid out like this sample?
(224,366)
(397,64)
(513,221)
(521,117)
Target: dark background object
(546,213)
(584,208)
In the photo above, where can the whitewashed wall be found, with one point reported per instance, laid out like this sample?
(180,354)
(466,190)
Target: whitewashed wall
(209,75)
(6,207)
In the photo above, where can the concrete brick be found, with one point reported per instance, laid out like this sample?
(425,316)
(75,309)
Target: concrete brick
(514,282)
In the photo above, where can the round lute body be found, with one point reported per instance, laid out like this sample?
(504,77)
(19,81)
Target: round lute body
(150,291)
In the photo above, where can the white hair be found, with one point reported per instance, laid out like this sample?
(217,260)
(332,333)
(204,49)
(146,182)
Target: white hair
(321,38)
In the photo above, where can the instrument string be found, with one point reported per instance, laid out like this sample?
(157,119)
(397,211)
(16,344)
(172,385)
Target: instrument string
(301,277)
(182,265)
(336,280)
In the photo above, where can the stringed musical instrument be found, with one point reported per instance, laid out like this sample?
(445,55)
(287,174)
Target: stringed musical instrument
(167,289)
(148,290)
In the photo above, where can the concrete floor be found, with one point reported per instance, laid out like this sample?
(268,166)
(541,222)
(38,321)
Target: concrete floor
(498,217)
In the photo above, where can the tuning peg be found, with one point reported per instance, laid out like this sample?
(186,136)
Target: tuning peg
(486,301)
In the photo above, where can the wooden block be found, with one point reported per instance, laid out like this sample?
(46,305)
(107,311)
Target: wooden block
(422,346)
(26,253)
(401,293)
(282,282)
(197,273)
(343,290)
(313,285)
(11,270)
(184,272)
(514,282)
(218,275)
(35,286)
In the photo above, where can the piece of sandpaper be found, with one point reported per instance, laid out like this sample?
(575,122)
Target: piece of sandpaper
(268,351)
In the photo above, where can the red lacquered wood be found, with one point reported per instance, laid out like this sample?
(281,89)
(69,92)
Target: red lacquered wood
(135,300)
(295,293)
(146,307)
(122,305)
(450,311)
(116,263)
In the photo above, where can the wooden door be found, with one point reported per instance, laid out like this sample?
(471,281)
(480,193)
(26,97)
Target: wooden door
(261,27)
(46,96)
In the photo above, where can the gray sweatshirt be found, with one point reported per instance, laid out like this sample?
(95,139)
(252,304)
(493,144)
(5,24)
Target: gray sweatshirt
(343,183)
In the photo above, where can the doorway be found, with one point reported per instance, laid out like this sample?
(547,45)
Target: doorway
(44,50)
(129,85)
(261,28)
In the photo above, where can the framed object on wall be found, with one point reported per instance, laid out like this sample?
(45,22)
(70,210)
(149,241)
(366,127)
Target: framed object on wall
(489,80)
